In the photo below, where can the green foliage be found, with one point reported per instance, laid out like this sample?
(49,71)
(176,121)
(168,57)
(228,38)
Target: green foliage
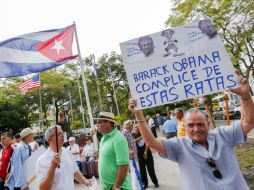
(121,119)
(78,124)
(14,112)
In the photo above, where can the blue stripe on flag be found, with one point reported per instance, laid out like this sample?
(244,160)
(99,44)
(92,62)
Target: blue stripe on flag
(20,69)
(20,44)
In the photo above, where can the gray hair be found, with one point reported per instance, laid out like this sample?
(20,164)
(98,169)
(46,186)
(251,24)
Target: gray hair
(8,134)
(191,111)
(179,110)
(51,131)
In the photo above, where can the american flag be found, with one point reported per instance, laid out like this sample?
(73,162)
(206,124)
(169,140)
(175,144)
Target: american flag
(32,83)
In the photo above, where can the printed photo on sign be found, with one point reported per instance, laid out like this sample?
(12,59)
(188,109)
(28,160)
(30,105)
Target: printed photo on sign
(177,64)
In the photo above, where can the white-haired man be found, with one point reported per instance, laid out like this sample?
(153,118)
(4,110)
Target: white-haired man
(56,168)
(17,179)
(75,150)
(206,158)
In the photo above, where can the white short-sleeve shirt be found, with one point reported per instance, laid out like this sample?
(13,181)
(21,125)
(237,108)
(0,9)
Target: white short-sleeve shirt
(64,176)
(88,150)
(74,149)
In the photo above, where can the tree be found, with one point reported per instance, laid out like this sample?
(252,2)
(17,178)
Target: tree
(234,20)
(107,79)
(14,111)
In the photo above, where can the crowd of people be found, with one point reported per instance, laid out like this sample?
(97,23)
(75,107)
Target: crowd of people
(54,168)
(205,157)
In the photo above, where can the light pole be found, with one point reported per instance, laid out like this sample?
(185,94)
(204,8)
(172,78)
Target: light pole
(66,118)
(109,98)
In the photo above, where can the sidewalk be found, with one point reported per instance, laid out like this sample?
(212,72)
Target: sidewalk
(167,173)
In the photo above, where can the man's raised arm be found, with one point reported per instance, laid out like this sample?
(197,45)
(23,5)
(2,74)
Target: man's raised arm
(247,106)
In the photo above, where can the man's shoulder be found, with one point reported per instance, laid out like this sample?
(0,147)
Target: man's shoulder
(118,137)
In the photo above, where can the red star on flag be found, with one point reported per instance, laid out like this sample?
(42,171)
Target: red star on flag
(59,47)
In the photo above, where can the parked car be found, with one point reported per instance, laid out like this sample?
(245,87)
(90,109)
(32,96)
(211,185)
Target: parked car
(221,113)
(237,111)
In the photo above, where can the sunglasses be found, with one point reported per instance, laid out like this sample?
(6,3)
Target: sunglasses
(210,161)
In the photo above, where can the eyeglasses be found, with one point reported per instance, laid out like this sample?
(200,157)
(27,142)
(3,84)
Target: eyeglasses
(210,161)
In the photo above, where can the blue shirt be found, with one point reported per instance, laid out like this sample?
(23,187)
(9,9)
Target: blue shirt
(170,126)
(160,120)
(17,177)
(191,157)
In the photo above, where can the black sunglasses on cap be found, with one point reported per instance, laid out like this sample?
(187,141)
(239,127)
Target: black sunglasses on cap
(210,161)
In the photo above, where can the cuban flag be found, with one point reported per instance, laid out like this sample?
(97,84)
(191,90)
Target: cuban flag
(36,52)
(92,68)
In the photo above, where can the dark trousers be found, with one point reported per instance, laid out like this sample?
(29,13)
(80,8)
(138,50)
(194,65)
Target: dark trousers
(153,129)
(171,135)
(149,164)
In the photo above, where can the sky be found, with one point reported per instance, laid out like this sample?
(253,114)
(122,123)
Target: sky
(101,24)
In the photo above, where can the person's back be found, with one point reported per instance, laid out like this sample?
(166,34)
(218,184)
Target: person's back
(170,128)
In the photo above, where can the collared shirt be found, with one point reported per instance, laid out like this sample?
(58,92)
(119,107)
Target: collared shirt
(5,161)
(160,120)
(17,177)
(191,158)
(113,153)
(74,149)
(170,126)
(64,176)
(151,123)
(131,142)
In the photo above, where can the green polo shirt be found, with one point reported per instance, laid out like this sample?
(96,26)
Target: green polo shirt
(113,153)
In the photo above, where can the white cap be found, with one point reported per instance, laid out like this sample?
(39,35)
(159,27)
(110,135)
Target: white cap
(71,139)
(25,132)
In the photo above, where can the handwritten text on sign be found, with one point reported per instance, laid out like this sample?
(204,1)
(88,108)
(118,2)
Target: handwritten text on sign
(162,71)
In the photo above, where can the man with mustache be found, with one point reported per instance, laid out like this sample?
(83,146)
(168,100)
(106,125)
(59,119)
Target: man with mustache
(206,158)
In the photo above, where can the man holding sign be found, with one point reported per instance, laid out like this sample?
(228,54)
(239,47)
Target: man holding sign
(206,159)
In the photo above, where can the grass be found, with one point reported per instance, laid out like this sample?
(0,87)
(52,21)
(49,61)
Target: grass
(245,155)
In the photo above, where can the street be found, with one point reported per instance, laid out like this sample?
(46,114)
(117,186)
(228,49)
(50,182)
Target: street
(167,171)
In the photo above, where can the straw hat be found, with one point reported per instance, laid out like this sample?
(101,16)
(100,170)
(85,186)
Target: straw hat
(106,116)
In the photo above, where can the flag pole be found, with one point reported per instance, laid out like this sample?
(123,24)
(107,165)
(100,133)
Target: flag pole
(84,79)
(72,119)
(97,82)
(41,108)
(113,86)
(81,102)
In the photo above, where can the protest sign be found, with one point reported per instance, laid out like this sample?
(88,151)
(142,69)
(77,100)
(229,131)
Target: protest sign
(177,64)
(30,166)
